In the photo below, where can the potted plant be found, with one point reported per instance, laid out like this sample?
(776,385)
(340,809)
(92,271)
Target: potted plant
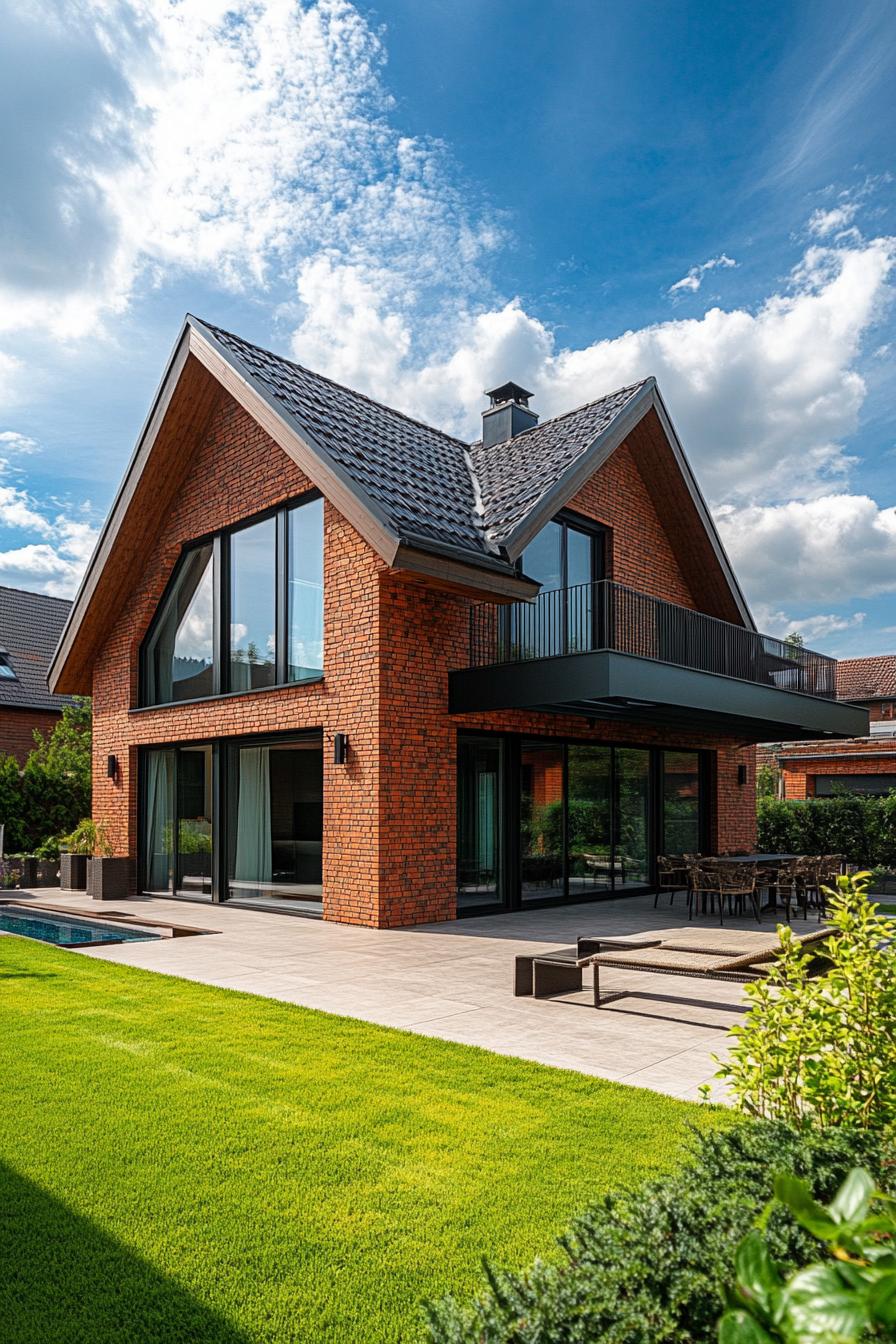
(108,875)
(76,848)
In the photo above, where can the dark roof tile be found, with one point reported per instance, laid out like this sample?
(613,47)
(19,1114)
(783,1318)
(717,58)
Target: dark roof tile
(30,626)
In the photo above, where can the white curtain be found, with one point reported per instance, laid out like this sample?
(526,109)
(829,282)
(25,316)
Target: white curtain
(253,821)
(159,819)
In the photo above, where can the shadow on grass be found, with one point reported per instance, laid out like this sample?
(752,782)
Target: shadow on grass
(65,1280)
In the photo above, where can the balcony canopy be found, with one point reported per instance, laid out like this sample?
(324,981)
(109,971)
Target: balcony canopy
(604,651)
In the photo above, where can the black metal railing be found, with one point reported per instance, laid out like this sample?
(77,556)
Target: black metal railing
(607,615)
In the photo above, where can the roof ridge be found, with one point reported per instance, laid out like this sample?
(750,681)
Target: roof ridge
(865,658)
(29,592)
(585,405)
(342,387)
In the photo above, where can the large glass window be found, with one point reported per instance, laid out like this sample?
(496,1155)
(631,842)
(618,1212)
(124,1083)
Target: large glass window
(565,559)
(275,827)
(632,817)
(194,822)
(479,821)
(253,606)
(306,591)
(542,821)
(180,652)
(681,802)
(589,824)
(158,822)
(256,591)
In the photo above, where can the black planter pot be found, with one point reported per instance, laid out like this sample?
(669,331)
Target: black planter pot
(108,879)
(73,872)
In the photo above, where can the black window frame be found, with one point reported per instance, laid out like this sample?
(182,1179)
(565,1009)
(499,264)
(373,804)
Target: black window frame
(221,575)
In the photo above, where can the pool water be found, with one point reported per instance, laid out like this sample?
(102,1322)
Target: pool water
(67,930)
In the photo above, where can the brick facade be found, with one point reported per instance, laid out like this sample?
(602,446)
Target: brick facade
(800,762)
(18,726)
(389,643)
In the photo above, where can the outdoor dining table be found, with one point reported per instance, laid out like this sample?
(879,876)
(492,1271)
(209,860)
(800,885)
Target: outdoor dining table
(769,861)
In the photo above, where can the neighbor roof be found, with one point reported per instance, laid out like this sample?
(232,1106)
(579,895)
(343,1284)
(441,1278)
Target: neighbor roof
(424,499)
(30,626)
(867,678)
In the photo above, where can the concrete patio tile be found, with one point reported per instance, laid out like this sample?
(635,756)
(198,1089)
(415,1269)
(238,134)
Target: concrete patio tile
(453,981)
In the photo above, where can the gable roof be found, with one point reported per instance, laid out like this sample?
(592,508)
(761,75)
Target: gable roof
(425,500)
(30,626)
(867,678)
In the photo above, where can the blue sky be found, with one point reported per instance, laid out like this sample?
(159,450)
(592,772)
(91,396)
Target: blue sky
(424,199)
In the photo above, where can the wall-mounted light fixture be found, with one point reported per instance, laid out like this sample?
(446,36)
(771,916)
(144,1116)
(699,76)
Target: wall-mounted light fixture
(741,774)
(112,766)
(340,748)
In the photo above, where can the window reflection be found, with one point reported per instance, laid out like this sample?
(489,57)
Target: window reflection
(253,606)
(180,651)
(306,591)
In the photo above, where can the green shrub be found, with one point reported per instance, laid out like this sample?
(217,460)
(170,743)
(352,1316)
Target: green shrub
(11,804)
(861,829)
(651,1266)
(849,1297)
(56,778)
(88,837)
(822,1047)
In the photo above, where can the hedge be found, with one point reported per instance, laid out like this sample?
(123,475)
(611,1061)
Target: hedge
(863,830)
(651,1266)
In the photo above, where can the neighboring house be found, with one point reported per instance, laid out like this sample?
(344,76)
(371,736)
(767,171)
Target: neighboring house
(866,764)
(30,626)
(343,662)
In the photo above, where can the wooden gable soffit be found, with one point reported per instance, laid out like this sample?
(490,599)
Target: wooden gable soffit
(181,409)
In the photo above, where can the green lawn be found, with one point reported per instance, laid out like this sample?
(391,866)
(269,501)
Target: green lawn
(187,1164)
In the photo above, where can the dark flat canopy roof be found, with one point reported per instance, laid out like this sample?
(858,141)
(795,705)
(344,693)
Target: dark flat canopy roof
(608,685)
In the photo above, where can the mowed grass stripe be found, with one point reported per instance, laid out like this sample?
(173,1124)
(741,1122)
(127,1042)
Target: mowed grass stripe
(187,1163)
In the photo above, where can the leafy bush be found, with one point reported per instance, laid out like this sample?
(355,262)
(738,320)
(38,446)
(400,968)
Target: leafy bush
(56,778)
(651,1266)
(88,837)
(10,874)
(823,1047)
(862,829)
(841,1300)
(11,804)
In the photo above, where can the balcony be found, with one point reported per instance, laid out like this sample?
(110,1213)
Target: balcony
(607,651)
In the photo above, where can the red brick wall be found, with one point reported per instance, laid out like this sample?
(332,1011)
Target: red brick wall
(238,471)
(389,814)
(641,555)
(799,775)
(17,728)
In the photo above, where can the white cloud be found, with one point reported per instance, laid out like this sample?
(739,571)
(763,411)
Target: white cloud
(228,139)
(694,278)
(829,549)
(818,627)
(55,563)
(823,223)
(11,441)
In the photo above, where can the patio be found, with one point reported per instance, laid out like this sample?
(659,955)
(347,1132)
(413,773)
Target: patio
(454,981)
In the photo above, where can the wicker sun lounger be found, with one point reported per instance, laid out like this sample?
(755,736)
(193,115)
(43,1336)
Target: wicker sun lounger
(734,955)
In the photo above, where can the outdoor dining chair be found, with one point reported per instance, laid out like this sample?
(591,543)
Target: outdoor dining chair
(722,884)
(672,876)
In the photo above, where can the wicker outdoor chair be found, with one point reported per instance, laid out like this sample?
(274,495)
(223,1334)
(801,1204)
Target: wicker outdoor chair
(719,884)
(672,876)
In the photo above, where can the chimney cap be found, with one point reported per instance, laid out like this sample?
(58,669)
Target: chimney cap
(508,392)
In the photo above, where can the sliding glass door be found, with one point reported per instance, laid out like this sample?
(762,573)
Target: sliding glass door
(544,821)
(251,811)
(589,810)
(275,822)
(480,814)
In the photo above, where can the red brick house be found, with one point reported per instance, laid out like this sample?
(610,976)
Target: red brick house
(866,764)
(343,662)
(30,626)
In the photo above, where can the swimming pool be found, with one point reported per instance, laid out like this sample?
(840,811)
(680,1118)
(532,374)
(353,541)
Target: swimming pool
(51,926)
